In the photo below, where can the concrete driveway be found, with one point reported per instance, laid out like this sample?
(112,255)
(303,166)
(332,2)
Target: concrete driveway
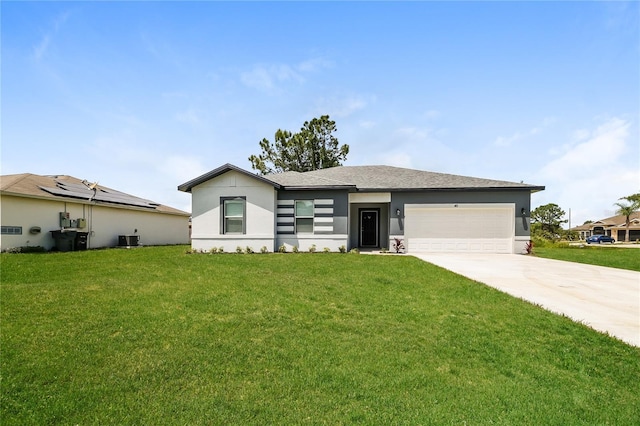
(605,299)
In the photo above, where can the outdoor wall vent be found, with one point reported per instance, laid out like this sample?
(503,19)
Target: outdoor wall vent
(35,230)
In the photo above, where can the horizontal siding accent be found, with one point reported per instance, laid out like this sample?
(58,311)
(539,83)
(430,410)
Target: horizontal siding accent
(323,210)
(323,220)
(323,216)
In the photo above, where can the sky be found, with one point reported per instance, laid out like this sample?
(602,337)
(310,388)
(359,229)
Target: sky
(144,96)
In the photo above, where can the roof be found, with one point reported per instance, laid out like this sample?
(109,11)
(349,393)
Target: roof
(69,188)
(376,178)
(367,178)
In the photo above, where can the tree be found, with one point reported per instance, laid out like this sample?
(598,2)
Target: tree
(627,210)
(313,147)
(547,221)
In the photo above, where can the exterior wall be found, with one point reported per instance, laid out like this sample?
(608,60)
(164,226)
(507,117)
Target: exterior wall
(522,199)
(103,223)
(332,240)
(260,213)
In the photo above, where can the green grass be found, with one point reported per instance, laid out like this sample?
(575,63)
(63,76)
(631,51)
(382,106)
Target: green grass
(157,336)
(622,258)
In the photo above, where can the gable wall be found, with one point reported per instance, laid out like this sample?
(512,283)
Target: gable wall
(206,212)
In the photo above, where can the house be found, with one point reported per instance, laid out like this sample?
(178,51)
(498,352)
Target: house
(614,226)
(67,213)
(364,207)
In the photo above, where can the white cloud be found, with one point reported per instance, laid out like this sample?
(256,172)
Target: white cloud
(591,175)
(41,48)
(269,77)
(432,114)
(266,77)
(343,106)
(189,116)
(505,141)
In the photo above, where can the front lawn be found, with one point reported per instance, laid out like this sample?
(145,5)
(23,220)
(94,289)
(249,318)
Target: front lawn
(622,258)
(158,336)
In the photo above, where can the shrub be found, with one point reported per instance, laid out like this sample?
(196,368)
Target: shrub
(282,249)
(264,249)
(342,249)
(398,244)
(312,249)
(221,250)
(239,250)
(326,250)
(26,249)
(294,249)
(214,250)
(248,250)
(354,251)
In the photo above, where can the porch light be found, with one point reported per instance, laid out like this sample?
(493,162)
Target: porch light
(397,212)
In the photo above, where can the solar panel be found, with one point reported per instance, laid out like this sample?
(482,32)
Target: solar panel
(80,191)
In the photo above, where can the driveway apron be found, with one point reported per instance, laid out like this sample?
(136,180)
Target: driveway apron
(605,299)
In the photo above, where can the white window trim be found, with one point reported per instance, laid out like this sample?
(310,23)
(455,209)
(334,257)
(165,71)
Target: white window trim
(223,215)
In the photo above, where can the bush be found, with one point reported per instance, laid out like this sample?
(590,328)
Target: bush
(282,249)
(342,249)
(214,250)
(354,251)
(221,250)
(239,250)
(264,250)
(27,249)
(312,249)
(326,250)
(294,249)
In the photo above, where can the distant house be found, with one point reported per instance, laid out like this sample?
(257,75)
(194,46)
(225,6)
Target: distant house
(364,207)
(67,213)
(614,226)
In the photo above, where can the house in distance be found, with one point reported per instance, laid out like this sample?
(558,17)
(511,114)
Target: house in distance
(66,213)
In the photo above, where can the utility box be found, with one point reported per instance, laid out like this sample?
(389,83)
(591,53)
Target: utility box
(65,241)
(81,240)
(128,240)
(81,223)
(65,220)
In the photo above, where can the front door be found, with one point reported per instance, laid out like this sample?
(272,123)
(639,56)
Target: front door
(369,228)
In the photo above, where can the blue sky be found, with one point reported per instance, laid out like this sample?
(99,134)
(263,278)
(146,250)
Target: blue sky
(143,96)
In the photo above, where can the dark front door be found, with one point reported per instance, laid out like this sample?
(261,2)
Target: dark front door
(369,228)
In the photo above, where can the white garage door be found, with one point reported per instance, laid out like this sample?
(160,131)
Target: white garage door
(474,228)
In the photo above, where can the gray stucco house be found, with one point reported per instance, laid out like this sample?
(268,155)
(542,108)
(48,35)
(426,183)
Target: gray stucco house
(363,207)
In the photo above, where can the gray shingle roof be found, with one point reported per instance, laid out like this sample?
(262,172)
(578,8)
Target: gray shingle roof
(390,178)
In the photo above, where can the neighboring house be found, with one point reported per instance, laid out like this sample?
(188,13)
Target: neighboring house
(31,206)
(615,226)
(364,207)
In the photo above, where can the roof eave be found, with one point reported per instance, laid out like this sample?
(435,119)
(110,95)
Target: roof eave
(457,189)
(187,186)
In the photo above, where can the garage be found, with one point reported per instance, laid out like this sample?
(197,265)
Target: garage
(472,228)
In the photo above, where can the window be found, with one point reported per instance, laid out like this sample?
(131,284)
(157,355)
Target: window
(12,230)
(304,216)
(233,221)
